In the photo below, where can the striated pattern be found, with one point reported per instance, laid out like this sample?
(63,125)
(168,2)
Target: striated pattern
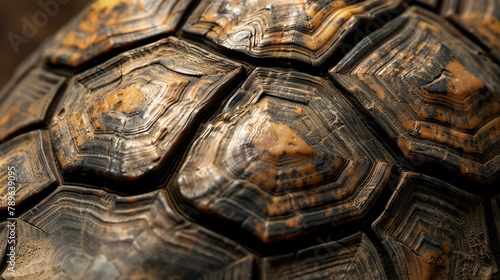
(81,233)
(433,230)
(307,31)
(24,104)
(113,24)
(285,155)
(353,257)
(481,18)
(424,86)
(125,118)
(27,160)
(495,203)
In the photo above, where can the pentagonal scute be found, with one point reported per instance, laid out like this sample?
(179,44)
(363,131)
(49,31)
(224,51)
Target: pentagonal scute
(125,118)
(285,155)
(305,31)
(433,230)
(107,236)
(425,86)
(107,25)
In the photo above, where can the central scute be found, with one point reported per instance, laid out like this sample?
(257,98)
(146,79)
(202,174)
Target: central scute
(286,155)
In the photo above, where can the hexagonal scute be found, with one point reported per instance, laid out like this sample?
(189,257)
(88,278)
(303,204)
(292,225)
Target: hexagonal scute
(424,85)
(433,230)
(108,25)
(24,104)
(286,155)
(353,257)
(306,31)
(480,18)
(124,119)
(107,236)
(26,162)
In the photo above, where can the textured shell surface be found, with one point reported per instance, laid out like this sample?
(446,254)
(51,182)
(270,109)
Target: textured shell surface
(256,139)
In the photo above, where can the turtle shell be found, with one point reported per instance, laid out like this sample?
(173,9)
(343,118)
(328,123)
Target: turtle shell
(258,139)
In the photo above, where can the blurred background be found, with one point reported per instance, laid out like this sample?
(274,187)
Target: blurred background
(13,17)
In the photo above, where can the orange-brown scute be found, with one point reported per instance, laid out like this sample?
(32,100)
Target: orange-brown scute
(307,31)
(113,24)
(427,85)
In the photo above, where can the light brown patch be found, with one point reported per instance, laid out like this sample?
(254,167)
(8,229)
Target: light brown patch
(126,100)
(464,81)
(279,139)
